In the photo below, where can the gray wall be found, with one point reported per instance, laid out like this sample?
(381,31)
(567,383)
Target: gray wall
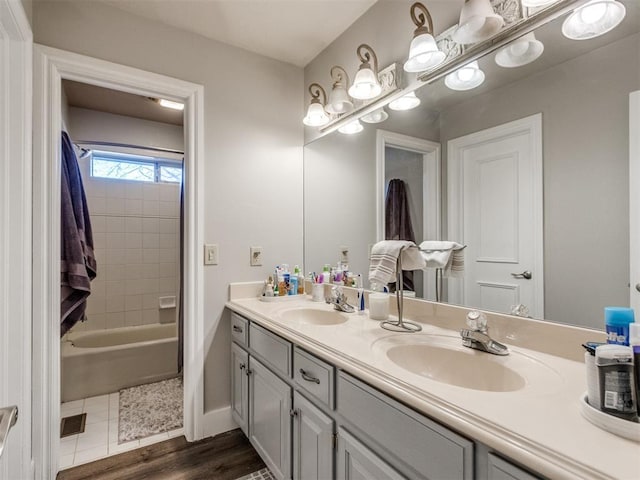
(584,104)
(253,145)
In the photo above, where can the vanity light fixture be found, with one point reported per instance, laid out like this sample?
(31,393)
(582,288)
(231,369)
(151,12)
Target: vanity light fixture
(366,85)
(377,116)
(520,52)
(593,19)
(406,102)
(339,101)
(316,116)
(424,53)
(466,77)
(163,102)
(478,22)
(351,127)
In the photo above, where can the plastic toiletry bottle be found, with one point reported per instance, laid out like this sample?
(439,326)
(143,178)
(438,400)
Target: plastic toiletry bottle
(326,273)
(293,284)
(300,277)
(615,375)
(634,341)
(337,279)
(268,292)
(617,320)
(360,295)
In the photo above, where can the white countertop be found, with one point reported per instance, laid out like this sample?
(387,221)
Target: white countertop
(539,426)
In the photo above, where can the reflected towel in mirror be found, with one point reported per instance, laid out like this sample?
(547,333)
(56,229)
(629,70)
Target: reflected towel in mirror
(384,255)
(443,254)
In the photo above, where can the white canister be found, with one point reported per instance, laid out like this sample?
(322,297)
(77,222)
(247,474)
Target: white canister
(317,292)
(378,306)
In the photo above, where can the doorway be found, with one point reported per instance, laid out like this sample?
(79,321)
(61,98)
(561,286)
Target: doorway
(51,68)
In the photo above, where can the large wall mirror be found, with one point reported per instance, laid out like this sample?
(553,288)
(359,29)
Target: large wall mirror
(460,156)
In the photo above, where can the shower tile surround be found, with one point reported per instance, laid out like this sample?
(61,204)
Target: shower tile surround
(136,241)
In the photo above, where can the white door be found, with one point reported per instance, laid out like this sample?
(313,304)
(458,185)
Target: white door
(634,199)
(15,239)
(495,199)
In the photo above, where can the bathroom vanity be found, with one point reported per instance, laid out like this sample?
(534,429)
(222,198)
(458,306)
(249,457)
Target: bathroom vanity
(323,394)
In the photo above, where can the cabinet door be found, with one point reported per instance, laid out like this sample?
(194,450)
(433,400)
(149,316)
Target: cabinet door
(500,469)
(357,462)
(270,418)
(240,387)
(312,441)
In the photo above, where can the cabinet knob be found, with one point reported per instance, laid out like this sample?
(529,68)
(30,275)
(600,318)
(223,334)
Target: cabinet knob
(249,372)
(242,366)
(293,412)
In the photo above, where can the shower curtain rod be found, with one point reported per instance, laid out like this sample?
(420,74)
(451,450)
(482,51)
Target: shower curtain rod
(128,145)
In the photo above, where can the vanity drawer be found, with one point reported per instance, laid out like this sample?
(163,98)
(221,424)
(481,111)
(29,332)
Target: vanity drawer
(314,376)
(270,348)
(239,329)
(421,447)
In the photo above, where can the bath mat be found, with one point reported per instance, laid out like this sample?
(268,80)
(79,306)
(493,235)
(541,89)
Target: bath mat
(72,425)
(149,409)
(264,474)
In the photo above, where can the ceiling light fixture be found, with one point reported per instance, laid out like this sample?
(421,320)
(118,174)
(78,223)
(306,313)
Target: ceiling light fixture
(521,51)
(316,116)
(593,19)
(377,116)
(406,102)
(163,102)
(465,78)
(351,127)
(339,101)
(366,85)
(424,53)
(478,22)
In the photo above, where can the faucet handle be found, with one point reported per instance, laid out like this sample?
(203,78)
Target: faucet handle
(477,321)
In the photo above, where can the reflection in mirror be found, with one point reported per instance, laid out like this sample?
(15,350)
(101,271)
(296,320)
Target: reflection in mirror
(578,93)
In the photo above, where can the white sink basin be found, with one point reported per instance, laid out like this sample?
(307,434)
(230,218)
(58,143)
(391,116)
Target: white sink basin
(444,359)
(313,316)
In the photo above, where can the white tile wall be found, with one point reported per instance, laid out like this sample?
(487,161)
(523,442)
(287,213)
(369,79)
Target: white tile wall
(136,239)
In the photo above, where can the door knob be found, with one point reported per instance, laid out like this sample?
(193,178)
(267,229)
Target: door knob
(526,275)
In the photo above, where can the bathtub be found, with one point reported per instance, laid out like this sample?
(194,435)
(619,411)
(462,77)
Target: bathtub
(104,361)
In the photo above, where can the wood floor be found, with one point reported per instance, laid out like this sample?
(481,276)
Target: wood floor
(224,457)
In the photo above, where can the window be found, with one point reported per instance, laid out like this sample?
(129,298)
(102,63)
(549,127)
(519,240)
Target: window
(124,166)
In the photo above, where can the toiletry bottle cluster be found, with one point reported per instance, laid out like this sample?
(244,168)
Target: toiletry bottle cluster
(613,368)
(283,282)
(338,275)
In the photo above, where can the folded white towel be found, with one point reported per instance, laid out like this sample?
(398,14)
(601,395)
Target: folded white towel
(443,254)
(384,257)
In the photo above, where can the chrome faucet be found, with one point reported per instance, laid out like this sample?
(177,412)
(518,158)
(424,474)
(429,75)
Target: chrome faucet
(477,335)
(339,300)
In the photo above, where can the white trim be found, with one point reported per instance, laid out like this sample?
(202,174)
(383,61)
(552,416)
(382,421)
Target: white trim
(217,421)
(634,199)
(50,67)
(455,196)
(16,45)
(431,181)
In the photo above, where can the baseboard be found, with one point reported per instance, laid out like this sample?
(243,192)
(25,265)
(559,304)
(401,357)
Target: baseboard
(217,421)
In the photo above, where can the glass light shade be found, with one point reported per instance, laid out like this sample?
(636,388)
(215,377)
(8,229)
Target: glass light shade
(406,102)
(478,22)
(376,116)
(423,54)
(520,52)
(465,78)
(339,101)
(593,19)
(536,3)
(351,128)
(316,116)
(366,85)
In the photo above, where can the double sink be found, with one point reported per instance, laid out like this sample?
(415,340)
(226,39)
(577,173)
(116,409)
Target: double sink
(441,357)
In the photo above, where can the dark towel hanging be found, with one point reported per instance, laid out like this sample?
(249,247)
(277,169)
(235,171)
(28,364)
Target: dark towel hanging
(397,221)
(77,262)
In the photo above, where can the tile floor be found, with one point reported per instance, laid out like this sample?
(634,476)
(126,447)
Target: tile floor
(100,437)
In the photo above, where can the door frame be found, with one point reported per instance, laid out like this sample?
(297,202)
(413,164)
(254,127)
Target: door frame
(51,66)
(634,199)
(16,44)
(431,182)
(456,189)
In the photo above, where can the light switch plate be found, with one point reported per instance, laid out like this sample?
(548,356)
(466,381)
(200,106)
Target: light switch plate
(255,256)
(211,254)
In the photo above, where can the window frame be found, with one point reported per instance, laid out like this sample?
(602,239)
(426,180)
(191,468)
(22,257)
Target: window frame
(156,162)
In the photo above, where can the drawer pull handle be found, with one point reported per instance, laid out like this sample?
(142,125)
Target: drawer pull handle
(237,329)
(308,377)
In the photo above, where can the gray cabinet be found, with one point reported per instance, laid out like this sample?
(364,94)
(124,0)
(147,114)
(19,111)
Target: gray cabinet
(500,469)
(269,418)
(312,441)
(240,387)
(357,462)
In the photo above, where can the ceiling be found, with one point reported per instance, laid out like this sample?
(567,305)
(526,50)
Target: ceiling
(293,31)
